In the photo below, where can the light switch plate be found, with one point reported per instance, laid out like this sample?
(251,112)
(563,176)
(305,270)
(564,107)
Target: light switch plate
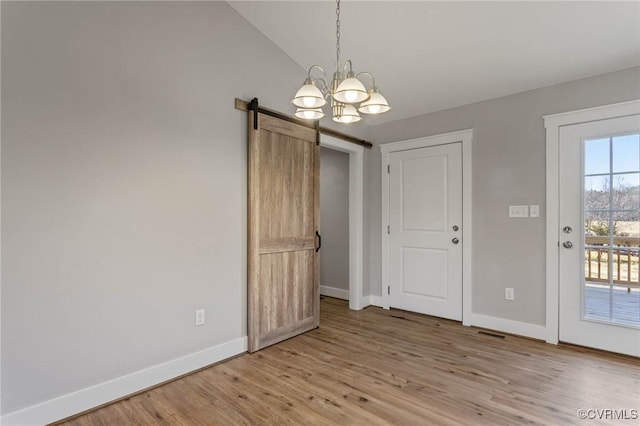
(534,210)
(518,211)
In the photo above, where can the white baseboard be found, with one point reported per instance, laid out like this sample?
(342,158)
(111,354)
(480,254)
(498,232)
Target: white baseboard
(526,329)
(338,293)
(372,300)
(93,396)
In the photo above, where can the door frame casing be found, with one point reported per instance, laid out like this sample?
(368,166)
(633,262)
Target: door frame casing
(552,124)
(464,137)
(356,215)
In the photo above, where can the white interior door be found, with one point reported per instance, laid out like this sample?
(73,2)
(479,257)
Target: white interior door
(425,241)
(599,235)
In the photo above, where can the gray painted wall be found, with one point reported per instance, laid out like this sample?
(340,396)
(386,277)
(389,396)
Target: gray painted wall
(334,218)
(124,185)
(508,168)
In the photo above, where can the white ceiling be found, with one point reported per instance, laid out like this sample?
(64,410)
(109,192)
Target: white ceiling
(430,56)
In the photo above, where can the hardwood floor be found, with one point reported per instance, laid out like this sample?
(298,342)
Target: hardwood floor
(379,367)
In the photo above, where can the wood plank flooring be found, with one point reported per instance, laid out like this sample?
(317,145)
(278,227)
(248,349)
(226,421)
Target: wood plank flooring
(377,367)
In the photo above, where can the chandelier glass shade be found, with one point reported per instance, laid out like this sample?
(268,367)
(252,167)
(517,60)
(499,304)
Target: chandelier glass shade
(309,96)
(376,104)
(347,115)
(346,92)
(309,113)
(350,91)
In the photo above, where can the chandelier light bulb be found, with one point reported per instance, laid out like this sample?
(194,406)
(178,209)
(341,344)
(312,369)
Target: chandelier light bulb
(374,109)
(308,101)
(351,95)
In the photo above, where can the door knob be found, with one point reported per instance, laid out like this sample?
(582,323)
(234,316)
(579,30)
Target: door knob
(567,244)
(455,241)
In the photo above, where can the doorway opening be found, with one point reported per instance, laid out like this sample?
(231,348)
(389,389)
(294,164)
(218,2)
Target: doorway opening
(334,223)
(355,210)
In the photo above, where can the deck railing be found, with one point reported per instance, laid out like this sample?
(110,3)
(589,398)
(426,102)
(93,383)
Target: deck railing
(625,256)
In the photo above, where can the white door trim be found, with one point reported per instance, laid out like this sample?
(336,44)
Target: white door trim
(356,214)
(465,137)
(552,123)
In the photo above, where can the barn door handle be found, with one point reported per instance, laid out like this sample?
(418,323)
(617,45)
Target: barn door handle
(319,241)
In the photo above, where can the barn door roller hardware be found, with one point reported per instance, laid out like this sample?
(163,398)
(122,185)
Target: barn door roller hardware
(254,106)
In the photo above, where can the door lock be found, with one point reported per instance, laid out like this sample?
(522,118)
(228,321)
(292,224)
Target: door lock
(455,227)
(567,229)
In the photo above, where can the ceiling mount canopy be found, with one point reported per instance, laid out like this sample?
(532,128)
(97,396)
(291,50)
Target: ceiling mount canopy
(345,91)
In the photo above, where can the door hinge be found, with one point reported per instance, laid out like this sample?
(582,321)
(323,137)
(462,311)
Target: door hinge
(388,168)
(388,229)
(388,290)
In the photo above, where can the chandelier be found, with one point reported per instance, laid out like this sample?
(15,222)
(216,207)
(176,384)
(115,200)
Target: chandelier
(345,92)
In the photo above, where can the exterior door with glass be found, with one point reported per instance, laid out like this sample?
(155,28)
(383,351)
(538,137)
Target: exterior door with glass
(599,235)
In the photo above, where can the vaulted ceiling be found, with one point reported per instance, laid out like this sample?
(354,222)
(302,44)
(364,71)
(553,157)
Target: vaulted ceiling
(430,56)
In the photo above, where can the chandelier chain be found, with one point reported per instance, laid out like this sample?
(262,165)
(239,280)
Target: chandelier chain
(337,34)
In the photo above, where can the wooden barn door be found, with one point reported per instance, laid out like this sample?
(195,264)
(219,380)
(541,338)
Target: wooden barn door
(283,216)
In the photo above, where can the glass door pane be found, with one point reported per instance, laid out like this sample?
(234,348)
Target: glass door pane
(612,229)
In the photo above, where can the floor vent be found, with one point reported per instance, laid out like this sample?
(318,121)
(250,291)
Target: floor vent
(488,333)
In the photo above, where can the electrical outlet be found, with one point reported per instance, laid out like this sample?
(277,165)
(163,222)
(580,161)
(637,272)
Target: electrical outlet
(509,294)
(200,318)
